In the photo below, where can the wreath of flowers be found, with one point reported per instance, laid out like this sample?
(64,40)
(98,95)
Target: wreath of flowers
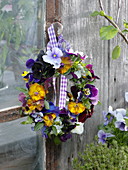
(58,61)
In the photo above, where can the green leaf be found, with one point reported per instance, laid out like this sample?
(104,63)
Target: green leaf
(95,13)
(125,31)
(125,24)
(46,104)
(21,89)
(116,52)
(38,126)
(108,32)
(126,121)
(102,13)
(54,130)
(28,121)
(57,141)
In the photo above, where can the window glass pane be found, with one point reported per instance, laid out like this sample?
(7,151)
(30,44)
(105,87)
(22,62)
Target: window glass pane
(21,27)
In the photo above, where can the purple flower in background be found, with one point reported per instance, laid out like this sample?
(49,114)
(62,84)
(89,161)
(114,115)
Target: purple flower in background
(103,136)
(107,118)
(53,57)
(121,125)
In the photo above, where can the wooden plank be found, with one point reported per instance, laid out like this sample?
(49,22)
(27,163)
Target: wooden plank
(118,69)
(81,31)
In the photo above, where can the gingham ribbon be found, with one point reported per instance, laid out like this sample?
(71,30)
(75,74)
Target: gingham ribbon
(63,84)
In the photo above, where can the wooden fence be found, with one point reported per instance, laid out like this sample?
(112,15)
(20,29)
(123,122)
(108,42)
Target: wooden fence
(82,31)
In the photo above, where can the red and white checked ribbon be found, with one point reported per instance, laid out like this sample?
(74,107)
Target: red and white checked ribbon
(63,84)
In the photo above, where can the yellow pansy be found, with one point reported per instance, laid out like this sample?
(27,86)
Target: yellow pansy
(48,119)
(76,108)
(36,92)
(34,105)
(66,65)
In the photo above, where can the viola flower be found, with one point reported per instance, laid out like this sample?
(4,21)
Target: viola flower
(76,108)
(22,98)
(90,91)
(52,109)
(53,57)
(86,114)
(79,128)
(107,118)
(25,74)
(29,63)
(35,105)
(49,119)
(38,116)
(121,125)
(103,136)
(64,137)
(36,92)
(89,67)
(66,64)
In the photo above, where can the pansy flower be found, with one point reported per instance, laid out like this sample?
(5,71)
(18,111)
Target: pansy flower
(66,64)
(89,67)
(76,108)
(35,105)
(103,136)
(36,92)
(86,114)
(22,98)
(53,57)
(91,92)
(49,119)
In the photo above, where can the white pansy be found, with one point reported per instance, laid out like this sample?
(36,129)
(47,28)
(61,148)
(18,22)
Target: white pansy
(79,128)
(58,128)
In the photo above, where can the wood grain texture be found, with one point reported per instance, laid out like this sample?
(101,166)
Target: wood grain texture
(118,69)
(82,30)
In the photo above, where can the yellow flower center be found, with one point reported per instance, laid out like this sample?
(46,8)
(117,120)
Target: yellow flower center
(87,91)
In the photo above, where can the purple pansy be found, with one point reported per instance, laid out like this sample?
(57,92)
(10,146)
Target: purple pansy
(90,90)
(121,125)
(53,57)
(103,136)
(22,98)
(29,63)
(64,137)
(107,118)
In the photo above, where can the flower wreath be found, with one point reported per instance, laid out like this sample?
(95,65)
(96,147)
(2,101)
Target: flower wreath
(58,61)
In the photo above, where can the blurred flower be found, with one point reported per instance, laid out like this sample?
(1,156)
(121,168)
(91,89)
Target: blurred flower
(7,8)
(120,125)
(36,92)
(90,91)
(53,57)
(103,136)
